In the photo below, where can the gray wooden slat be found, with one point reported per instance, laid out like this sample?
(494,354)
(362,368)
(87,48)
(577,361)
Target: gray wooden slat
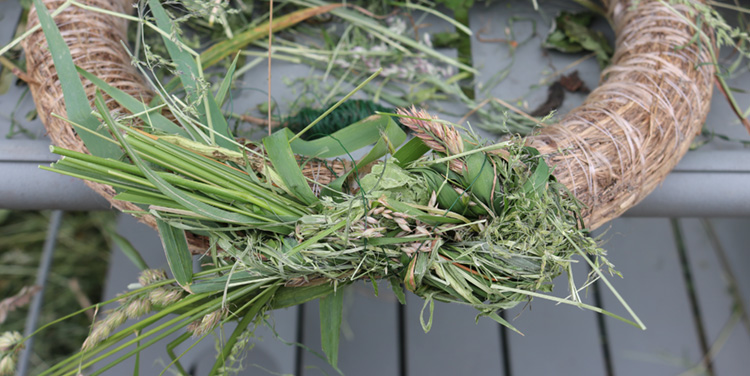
(455,345)
(644,251)
(8,20)
(556,336)
(712,290)
(734,235)
(369,343)
(268,353)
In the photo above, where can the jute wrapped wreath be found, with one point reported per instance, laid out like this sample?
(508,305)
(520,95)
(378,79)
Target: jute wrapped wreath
(446,214)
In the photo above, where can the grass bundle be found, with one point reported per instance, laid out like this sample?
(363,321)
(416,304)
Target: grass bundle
(286,220)
(448,217)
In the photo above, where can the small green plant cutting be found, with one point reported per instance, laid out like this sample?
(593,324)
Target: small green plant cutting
(289,219)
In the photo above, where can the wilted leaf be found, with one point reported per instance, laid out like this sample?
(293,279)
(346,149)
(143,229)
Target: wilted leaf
(571,33)
(19,300)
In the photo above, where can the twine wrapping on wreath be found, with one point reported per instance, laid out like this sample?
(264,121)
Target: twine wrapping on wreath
(610,152)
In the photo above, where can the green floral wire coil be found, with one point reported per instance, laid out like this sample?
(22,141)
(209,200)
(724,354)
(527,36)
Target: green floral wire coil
(347,113)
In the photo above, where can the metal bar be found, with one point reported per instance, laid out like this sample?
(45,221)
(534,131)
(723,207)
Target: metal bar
(41,280)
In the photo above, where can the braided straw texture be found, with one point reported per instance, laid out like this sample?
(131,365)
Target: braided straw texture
(94,42)
(632,130)
(611,151)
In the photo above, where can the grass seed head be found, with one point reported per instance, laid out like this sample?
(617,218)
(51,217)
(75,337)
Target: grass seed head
(440,137)
(138,307)
(150,276)
(7,365)
(9,340)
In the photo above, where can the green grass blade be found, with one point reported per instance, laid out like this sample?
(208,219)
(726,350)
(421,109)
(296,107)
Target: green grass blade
(292,296)
(129,251)
(190,73)
(282,158)
(331,312)
(355,136)
(184,61)
(178,255)
(180,196)
(226,84)
(218,124)
(77,104)
(391,138)
(410,152)
(155,120)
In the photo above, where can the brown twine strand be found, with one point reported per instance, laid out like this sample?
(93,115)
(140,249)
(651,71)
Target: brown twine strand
(610,152)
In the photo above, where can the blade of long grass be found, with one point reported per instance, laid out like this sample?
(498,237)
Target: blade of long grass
(331,312)
(226,83)
(127,248)
(282,158)
(287,297)
(77,104)
(178,255)
(410,152)
(155,120)
(247,319)
(169,190)
(355,136)
(186,65)
(190,73)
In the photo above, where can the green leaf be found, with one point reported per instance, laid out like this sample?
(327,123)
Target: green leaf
(190,75)
(292,296)
(346,140)
(77,104)
(282,158)
(153,119)
(178,255)
(397,290)
(226,84)
(331,312)
(537,182)
(480,177)
(129,250)
(392,136)
(571,33)
(410,152)
(217,284)
(220,126)
(186,67)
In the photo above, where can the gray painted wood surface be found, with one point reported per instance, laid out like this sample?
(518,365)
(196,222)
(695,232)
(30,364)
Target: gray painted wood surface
(725,331)
(563,339)
(644,251)
(369,335)
(455,345)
